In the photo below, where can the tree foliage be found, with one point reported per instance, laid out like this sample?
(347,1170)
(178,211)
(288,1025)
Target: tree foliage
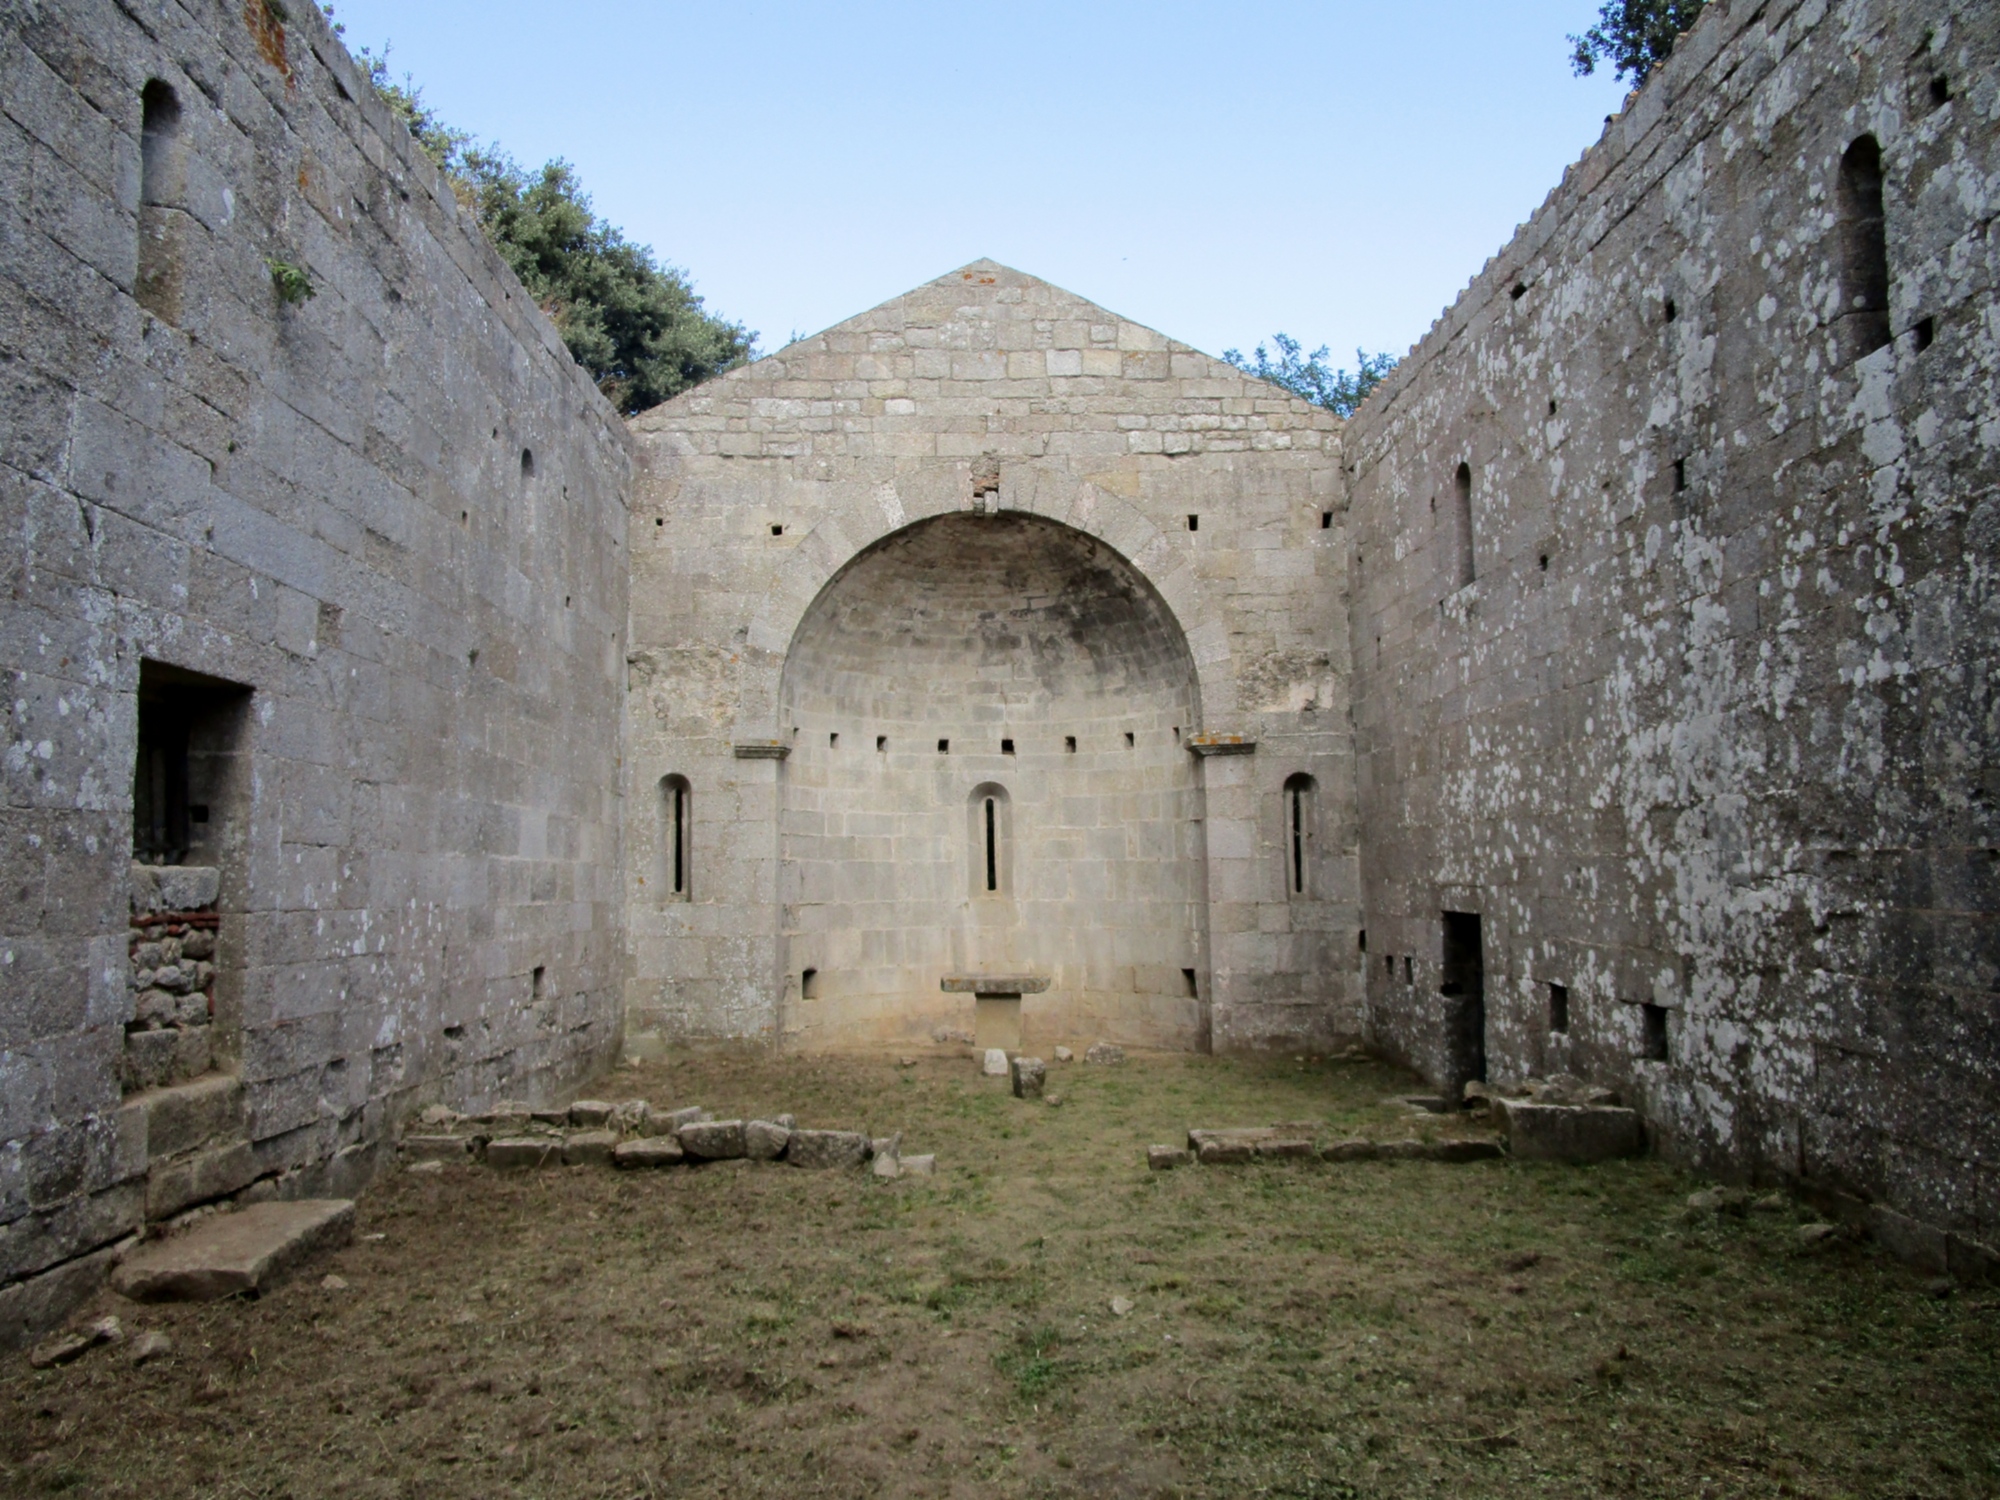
(1634,36)
(637,326)
(1312,377)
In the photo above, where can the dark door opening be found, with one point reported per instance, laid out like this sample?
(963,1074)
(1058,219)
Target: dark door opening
(1464,992)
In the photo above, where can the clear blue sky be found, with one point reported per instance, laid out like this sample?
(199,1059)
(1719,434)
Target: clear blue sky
(1336,170)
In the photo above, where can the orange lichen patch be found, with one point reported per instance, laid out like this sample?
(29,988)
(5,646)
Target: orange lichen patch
(267,24)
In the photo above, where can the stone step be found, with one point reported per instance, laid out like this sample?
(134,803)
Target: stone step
(234,1253)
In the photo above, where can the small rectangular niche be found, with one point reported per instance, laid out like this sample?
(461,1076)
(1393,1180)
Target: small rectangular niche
(1130,739)
(1680,475)
(809,984)
(1069,743)
(1006,747)
(1925,332)
(1389,964)
(1194,523)
(1559,1009)
(882,742)
(1653,1032)
(944,747)
(777,529)
(1326,520)
(1192,984)
(833,739)
(1361,939)
(538,983)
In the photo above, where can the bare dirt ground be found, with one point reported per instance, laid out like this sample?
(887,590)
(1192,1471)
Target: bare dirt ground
(1296,1328)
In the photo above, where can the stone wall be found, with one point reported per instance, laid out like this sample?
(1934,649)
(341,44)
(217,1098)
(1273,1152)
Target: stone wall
(392,512)
(990,394)
(1684,684)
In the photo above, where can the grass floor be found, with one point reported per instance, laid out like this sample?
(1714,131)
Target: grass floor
(1295,1329)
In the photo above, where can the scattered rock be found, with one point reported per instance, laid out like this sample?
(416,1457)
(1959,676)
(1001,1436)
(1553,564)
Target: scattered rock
(765,1140)
(1771,1203)
(332,1283)
(1563,1132)
(522,1151)
(1104,1054)
(438,1116)
(591,1113)
(1818,1236)
(1405,1150)
(787,1123)
(632,1117)
(1054,1101)
(693,1114)
(1063,1055)
(906,1062)
(65,1347)
(888,1154)
(1214,1148)
(714,1140)
(1718,1200)
(652,1151)
(1029,1074)
(1940,1286)
(149,1346)
(919,1166)
(431,1167)
(590,1148)
(555,1114)
(1351,1150)
(1165,1158)
(1120,1306)
(434,1147)
(1423,1104)
(234,1253)
(824,1149)
(995,1064)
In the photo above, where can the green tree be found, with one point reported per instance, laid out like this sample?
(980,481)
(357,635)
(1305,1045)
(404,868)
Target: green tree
(1634,36)
(1312,377)
(637,326)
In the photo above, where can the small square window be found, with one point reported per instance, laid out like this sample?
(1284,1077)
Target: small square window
(1069,743)
(1194,523)
(1653,1032)
(881,742)
(1006,747)
(1559,1008)
(944,747)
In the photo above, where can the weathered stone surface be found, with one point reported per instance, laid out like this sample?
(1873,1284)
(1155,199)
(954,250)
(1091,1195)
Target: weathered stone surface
(1165,1158)
(1063,1055)
(919,1166)
(198,1178)
(765,1140)
(1028,1074)
(149,1346)
(435,1147)
(1282,1146)
(994,1064)
(1403,1150)
(1104,1054)
(235,1252)
(1564,1132)
(633,1117)
(510,1152)
(827,1148)
(179,888)
(591,1114)
(649,1151)
(1225,1147)
(886,1156)
(1351,1150)
(589,1148)
(714,1140)
(687,1114)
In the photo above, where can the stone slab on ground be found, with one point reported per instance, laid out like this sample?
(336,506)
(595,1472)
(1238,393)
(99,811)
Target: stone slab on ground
(652,1151)
(1570,1132)
(1104,1054)
(823,1149)
(233,1253)
(1166,1158)
(435,1147)
(765,1140)
(589,1148)
(1029,1074)
(1243,1143)
(523,1151)
(995,1063)
(714,1140)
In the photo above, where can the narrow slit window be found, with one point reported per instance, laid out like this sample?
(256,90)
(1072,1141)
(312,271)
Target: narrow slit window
(538,983)
(1191,983)
(676,837)
(1130,739)
(163,216)
(1326,520)
(1298,809)
(1069,743)
(1462,523)
(882,742)
(1559,1009)
(988,835)
(1194,523)
(1653,1032)
(992,850)
(1864,250)
(833,740)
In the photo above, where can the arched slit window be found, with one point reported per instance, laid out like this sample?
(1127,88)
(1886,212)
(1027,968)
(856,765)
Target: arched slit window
(162,205)
(1864,250)
(676,874)
(1298,835)
(990,829)
(1461,516)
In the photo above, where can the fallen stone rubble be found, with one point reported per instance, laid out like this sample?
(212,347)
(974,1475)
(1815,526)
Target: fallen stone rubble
(1234,1146)
(633,1136)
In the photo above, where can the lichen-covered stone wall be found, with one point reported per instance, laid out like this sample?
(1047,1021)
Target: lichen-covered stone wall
(1703,729)
(391,510)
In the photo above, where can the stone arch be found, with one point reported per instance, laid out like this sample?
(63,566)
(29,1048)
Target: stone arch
(857,521)
(1009,658)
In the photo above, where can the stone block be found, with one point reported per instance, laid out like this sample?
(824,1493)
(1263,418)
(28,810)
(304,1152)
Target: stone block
(589,1148)
(1165,1158)
(1351,1150)
(1104,1054)
(692,1114)
(886,1157)
(591,1114)
(994,1064)
(1281,1146)
(714,1140)
(1224,1147)
(158,888)
(510,1152)
(191,1116)
(198,1178)
(824,1149)
(765,1140)
(1029,1074)
(1567,1132)
(233,1253)
(648,1151)
(919,1166)
(30,1307)
(435,1147)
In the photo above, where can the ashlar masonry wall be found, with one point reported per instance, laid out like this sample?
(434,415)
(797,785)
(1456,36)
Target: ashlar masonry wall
(988,393)
(1684,684)
(385,524)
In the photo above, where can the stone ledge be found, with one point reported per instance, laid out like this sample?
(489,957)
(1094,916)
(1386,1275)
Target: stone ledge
(993,984)
(234,1253)
(762,750)
(1205,745)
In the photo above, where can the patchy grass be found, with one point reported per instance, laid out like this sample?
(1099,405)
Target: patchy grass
(1297,1328)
